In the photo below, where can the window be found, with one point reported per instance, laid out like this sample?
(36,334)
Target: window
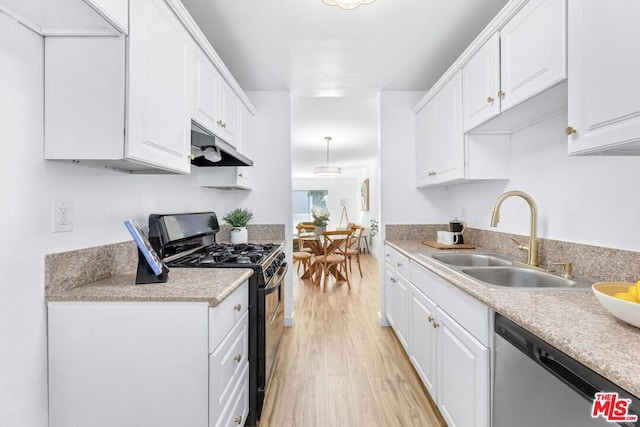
(304,201)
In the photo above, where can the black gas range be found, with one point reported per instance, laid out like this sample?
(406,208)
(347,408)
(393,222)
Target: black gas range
(189,241)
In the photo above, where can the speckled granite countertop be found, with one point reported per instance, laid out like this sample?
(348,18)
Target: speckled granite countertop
(572,321)
(210,285)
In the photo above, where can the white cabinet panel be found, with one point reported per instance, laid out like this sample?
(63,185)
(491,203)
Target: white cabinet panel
(604,89)
(423,339)
(533,49)
(128,364)
(481,84)
(439,136)
(160,87)
(463,376)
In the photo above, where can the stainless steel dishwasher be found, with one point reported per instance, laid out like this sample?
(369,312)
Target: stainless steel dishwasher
(536,385)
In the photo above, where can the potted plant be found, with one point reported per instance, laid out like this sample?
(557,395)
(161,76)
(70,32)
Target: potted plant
(238,220)
(320,219)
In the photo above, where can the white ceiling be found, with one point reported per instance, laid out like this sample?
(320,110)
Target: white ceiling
(335,61)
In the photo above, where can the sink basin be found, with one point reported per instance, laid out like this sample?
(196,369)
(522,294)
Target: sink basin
(517,277)
(470,260)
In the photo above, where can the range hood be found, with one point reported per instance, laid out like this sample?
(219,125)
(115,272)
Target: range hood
(211,151)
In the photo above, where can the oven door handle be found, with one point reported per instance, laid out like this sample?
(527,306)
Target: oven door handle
(276,280)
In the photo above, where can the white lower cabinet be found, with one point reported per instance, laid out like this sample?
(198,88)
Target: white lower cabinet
(161,364)
(448,340)
(463,375)
(397,295)
(424,338)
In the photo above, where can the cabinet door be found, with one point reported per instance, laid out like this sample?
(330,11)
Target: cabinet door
(463,375)
(423,338)
(389,296)
(425,122)
(533,51)
(481,84)
(226,123)
(604,89)
(159,117)
(402,295)
(205,81)
(448,142)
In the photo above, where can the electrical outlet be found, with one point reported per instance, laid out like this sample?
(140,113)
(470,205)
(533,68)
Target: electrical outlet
(62,216)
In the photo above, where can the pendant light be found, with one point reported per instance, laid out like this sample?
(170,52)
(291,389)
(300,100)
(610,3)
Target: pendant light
(326,171)
(347,4)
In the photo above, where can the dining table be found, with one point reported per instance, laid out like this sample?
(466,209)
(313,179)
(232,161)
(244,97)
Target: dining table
(315,242)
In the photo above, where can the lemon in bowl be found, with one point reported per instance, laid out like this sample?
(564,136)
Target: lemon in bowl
(620,299)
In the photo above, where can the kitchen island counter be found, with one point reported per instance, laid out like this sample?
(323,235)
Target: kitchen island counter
(210,285)
(571,320)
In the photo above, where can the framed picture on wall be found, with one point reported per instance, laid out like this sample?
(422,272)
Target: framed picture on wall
(364,195)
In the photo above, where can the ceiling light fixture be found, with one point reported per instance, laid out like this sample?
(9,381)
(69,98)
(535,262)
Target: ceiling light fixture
(327,171)
(347,4)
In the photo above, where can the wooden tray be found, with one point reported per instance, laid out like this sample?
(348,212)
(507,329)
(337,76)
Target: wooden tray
(443,246)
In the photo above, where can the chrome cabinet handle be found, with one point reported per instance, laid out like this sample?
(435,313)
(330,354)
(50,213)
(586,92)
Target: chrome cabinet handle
(430,319)
(238,358)
(489,100)
(436,324)
(388,256)
(237,307)
(570,130)
(393,280)
(501,94)
(238,420)
(399,264)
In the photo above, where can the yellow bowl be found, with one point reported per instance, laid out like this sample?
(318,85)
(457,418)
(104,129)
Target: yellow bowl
(626,311)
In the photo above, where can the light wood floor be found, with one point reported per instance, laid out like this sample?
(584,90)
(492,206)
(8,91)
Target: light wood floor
(338,367)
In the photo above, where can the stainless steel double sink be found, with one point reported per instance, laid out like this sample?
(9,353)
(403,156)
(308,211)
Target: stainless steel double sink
(496,272)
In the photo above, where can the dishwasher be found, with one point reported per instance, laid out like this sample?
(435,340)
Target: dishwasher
(535,384)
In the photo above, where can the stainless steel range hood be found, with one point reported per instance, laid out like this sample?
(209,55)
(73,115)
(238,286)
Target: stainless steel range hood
(211,151)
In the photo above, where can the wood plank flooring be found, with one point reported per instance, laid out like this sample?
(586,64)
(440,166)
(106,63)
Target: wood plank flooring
(338,367)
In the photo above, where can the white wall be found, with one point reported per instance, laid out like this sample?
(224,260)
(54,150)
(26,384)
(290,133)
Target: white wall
(591,200)
(401,202)
(101,199)
(338,188)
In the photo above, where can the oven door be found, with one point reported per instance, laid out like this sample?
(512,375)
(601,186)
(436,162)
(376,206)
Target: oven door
(272,301)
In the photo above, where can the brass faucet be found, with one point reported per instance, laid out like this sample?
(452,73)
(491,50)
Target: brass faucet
(532,247)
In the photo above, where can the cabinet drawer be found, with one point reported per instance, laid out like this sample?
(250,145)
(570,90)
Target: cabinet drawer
(235,413)
(470,313)
(223,317)
(226,363)
(397,261)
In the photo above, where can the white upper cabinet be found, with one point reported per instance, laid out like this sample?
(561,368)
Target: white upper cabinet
(159,115)
(215,104)
(481,84)
(444,154)
(533,49)
(205,91)
(604,83)
(524,59)
(116,12)
(439,137)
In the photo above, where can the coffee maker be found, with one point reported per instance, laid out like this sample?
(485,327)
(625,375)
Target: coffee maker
(456,226)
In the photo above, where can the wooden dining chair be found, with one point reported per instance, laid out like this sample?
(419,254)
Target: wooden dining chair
(304,228)
(353,250)
(333,243)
